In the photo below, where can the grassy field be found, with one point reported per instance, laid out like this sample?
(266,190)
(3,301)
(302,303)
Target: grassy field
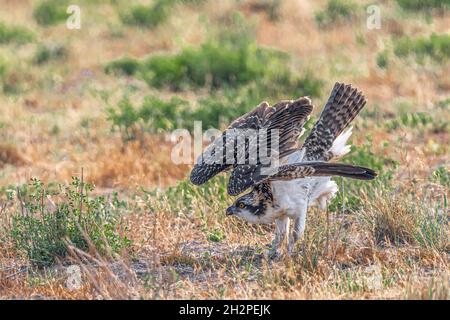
(86,175)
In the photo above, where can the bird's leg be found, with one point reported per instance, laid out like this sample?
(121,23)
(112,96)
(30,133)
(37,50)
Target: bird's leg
(299,228)
(281,228)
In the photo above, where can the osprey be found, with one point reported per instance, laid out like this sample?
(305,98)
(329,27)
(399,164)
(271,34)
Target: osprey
(302,175)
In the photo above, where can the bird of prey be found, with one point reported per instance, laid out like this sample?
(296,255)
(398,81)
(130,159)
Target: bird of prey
(302,176)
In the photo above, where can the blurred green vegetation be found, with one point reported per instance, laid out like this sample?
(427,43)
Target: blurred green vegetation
(336,11)
(214,111)
(237,72)
(382,59)
(148,16)
(436,47)
(349,195)
(151,16)
(417,121)
(420,5)
(15,34)
(13,76)
(442,176)
(50,12)
(153,114)
(124,66)
(49,52)
(227,60)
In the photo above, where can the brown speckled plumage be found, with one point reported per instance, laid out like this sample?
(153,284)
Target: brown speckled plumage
(286,116)
(344,103)
(304,177)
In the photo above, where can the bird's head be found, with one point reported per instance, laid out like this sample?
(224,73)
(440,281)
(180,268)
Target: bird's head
(249,207)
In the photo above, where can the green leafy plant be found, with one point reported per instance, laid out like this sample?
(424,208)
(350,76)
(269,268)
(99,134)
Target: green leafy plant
(383,59)
(153,114)
(50,12)
(125,66)
(239,73)
(13,77)
(216,64)
(124,117)
(222,107)
(436,47)
(226,60)
(213,111)
(40,227)
(164,115)
(215,235)
(442,176)
(153,15)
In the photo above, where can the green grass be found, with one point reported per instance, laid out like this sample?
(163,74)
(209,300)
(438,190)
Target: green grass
(154,114)
(442,176)
(396,220)
(13,76)
(237,72)
(14,34)
(335,12)
(411,120)
(421,5)
(349,195)
(154,15)
(3,67)
(444,103)
(124,66)
(226,60)
(435,47)
(39,227)
(50,12)
(148,16)
(383,59)
(214,111)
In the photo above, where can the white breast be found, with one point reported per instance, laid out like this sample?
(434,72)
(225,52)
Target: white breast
(292,195)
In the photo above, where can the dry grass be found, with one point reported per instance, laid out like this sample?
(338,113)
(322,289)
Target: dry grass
(394,246)
(10,155)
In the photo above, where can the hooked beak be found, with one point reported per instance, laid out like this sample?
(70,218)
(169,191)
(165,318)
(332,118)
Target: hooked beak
(230,211)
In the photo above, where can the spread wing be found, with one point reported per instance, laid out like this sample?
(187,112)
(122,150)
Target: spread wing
(287,117)
(213,160)
(344,103)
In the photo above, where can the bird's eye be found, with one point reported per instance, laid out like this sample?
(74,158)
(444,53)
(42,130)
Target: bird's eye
(241,205)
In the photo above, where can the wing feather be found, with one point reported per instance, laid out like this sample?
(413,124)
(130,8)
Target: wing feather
(288,117)
(344,103)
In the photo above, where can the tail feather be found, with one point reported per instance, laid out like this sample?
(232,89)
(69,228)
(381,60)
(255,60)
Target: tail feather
(344,103)
(339,148)
(342,170)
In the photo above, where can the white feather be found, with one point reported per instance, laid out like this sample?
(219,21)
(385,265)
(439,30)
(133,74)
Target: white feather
(339,147)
